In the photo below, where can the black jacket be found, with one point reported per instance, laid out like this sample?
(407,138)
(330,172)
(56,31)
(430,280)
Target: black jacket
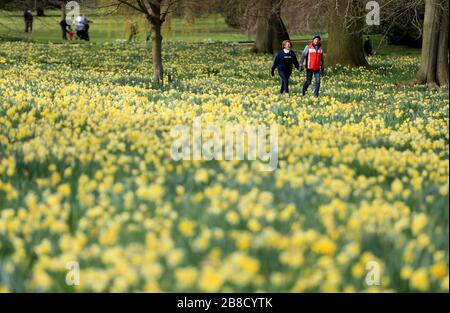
(285,61)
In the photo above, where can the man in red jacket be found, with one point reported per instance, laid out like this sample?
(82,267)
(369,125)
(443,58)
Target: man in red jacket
(313,54)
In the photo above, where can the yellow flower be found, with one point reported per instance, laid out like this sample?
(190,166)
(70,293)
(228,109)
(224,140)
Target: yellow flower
(443,191)
(64,190)
(43,248)
(418,223)
(210,280)
(109,236)
(117,188)
(254,225)
(438,270)
(186,277)
(324,246)
(419,280)
(41,279)
(244,242)
(358,270)
(186,228)
(153,192)
(423,240)
(406,272)
(249,264)
(201,176)
(180,190)
(397,186)
(444,284)
(278,279)
(232,217)
(175,257)
(152,286)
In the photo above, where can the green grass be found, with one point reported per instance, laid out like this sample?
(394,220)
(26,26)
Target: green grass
(110,28)
(113,28)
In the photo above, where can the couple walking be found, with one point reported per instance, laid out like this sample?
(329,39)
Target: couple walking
(286,60)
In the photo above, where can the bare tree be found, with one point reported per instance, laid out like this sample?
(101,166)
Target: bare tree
(156,12)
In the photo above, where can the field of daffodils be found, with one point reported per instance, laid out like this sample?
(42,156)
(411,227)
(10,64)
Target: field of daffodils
(358,202)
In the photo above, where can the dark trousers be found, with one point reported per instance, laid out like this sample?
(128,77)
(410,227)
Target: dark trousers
(28,26)
(64,33)
(83,35)
(309,76)
(284,81)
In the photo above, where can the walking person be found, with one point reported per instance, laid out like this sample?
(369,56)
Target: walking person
(28,18)
(284,62)
(313,54)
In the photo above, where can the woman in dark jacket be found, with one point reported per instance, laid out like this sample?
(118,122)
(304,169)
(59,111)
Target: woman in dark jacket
(285,61)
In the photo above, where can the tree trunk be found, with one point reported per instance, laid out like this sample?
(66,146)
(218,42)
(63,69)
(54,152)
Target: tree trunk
(270,29)
(278,30)
(262,42)
(345,44)
(434,61)
(157,55)
(442,58)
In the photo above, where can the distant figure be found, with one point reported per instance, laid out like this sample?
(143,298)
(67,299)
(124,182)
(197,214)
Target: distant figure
(65,28)
(132,29)
(86,32)
(368,47)
(28,18)
(82,27)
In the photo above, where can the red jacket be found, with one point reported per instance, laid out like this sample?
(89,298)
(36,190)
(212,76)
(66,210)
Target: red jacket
(314,58)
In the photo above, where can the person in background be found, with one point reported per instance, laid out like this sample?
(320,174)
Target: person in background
(284,62)
(82,27)
(132,29)
(28,18)
(65,28)
(368,51)
(86,32)
(313,54)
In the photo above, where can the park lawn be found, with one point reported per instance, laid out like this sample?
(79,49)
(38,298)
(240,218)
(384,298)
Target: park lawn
(111,28)
(86,174)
